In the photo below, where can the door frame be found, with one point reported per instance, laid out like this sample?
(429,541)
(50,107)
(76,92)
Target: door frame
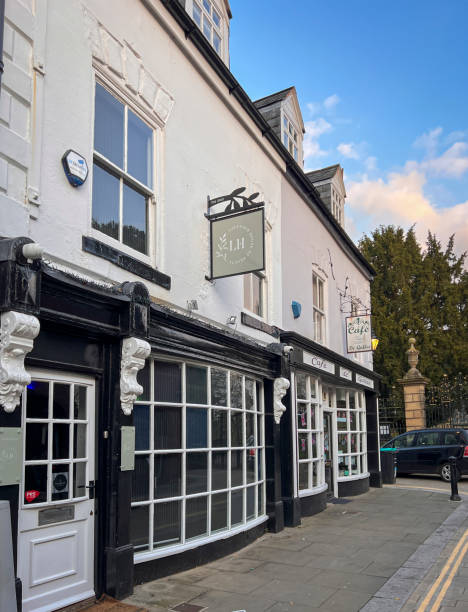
(73,377)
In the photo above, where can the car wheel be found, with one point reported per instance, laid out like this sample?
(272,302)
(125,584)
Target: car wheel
(444,472)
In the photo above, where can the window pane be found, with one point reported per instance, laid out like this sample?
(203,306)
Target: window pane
(219,470)
(237,468)
(219,427)
(237,509)
(79,441)
(207,6)
(141,420)
(216,18)
(301,385)
(218,387)
(139,527)
(217,43)
(60,481)
(79,402)
(251,457)
(236,390)
(303,446)
(285,140)
(313,424)
(341,419)
(342,443)
(79,480)
(343,466)
(301,416)
(35,484)
(248,291)
(36,441)
(249,394)
(197,14)
(206,28)
(249,429)
(251,491)
(219,504)
(197,428)
(134,219)
(196,385)
(167,381)
(196,517)
(166,524)
(167,427)
(237,438)
(353,421)
(61,404)
(140,478)
(109,126)
(37,400)
(257,295)
(106,188)
(167,476)
(60,441)
(196,472)
(260,500)
(139,150)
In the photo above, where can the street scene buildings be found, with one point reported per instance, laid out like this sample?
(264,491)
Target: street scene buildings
(185,323)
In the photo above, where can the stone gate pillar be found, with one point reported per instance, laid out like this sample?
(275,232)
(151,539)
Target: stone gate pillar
(414,385)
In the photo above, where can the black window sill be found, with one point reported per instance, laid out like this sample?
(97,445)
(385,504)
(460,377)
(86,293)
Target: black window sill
(126,262)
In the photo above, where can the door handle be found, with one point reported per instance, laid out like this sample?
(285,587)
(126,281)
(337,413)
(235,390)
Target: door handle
(91,486)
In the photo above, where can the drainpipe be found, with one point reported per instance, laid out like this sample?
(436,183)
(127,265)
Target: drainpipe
(2,25)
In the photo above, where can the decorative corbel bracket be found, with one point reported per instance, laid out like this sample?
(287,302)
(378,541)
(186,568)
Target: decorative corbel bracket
(17,333)
(281,385)
(134,353)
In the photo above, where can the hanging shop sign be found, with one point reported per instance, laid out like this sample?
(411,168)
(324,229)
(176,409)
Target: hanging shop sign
(237,235)
(318,362)
(363,380)
(358,334)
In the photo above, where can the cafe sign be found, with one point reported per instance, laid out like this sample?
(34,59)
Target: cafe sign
(358,334)
(237,241)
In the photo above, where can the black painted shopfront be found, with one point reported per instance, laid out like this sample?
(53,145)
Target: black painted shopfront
(212,467)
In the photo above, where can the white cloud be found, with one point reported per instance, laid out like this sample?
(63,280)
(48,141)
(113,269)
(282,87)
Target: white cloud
(400,200)
(348,149)
(429,141)
(452,163)
(370,163)
(313,130)
(326,105)
(331,101)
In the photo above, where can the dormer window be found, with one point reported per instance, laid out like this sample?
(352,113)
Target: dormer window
(290,138)
(209,21)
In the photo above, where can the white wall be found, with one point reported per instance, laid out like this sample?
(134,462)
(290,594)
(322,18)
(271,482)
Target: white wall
(206,145)
(307,247)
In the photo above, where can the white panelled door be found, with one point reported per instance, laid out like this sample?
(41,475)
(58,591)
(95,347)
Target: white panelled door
(56,515)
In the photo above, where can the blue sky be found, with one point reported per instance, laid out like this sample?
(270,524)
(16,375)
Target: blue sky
(383,88)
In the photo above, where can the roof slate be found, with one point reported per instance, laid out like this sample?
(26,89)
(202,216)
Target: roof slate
(279,96)
(323,174)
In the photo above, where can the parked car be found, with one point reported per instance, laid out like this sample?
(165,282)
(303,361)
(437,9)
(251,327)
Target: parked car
(427,451)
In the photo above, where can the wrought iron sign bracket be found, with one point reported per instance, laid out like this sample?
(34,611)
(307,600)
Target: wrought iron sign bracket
(237,203)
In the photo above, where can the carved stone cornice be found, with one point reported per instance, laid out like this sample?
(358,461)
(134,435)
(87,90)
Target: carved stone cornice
(134,353)
(281,385)
(17,333)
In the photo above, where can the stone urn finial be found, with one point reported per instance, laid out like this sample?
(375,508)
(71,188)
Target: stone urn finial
(413,357)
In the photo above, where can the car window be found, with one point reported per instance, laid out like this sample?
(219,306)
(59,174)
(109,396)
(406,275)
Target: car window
(449,438)
(404,441)
(428,438)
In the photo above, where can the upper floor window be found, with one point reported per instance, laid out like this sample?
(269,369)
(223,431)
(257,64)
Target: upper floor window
(208,20)
(122,172)
(253,293)
(318,302)
(290,138)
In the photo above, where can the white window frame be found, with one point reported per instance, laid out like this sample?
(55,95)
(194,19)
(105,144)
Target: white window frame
(150,193)
(248,278)
(308,433)
(359,453)
(207,14)
(317,312)
(259,435)
(290,137)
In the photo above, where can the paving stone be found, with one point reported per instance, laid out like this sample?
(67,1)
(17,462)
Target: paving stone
(346,600)
(398,587)
(327,562)
(242,583)
(381,604)
(195,575)
(361,583)
(164,593)
(283,590)
(378,569)
(292,573)
(220,601)
(235,564)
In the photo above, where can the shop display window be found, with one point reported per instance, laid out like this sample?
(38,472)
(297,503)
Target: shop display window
(199,460)
(309,433)
(351,426)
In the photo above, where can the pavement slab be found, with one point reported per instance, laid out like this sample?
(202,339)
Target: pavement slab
(372,554)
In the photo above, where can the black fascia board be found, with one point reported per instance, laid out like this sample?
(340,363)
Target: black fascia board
(306,187)
(306,344)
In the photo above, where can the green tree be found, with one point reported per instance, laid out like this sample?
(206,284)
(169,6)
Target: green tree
(420,293)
